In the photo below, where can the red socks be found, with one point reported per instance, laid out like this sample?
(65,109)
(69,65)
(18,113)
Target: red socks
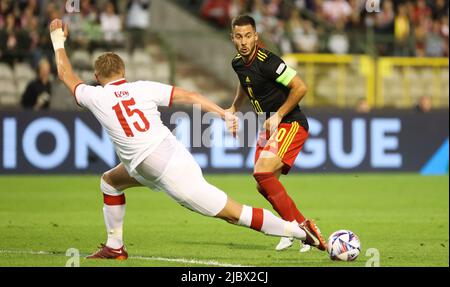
(272,189)
(257,219)
(113,200)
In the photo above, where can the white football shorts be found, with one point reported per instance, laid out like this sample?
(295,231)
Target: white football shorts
(171,168)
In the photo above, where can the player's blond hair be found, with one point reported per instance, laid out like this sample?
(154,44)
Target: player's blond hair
(108,65)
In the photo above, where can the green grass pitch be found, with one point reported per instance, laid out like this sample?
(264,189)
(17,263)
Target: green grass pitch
(404,216)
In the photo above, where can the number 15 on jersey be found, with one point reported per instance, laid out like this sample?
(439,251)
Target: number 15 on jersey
(142,126)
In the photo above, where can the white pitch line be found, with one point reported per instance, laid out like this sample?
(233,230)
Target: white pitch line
(191,261)
(179,260)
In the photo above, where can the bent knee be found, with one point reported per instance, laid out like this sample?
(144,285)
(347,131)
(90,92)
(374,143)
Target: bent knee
(264,167)
(112,185)
(268,163)
(106,177)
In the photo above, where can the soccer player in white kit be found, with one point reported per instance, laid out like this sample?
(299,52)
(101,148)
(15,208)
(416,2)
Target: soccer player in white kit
(150,155)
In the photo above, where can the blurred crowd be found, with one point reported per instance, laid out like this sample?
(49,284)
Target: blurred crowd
(401,28)
(24,34)
(101,24)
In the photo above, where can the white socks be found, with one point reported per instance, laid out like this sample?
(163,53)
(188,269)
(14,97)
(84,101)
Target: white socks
(114,213)
(265,221)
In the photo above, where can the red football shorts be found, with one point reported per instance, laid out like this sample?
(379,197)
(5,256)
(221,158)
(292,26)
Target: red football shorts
(286,143)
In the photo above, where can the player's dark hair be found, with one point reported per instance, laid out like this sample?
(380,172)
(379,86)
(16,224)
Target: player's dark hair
(243,20)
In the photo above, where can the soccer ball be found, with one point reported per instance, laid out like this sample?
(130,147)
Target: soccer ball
(343,245)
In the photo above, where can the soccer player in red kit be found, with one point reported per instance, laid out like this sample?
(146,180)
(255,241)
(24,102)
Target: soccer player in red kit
(274,89)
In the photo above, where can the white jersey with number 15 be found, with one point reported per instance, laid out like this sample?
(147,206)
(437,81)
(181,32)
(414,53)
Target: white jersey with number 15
(129,113)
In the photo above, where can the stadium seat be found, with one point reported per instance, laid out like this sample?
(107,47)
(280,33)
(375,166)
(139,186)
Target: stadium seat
(355,92)
(445,94)
(162,71)
(8,94)
(81,59)
(427,74)
(6,72)
(417,91)
(23,71)
(326,91)
(141,57)
(396,75)
(394,97)
(188,84)
(444,74)
(130,73)
(414,75)
(332,74)
(143,73)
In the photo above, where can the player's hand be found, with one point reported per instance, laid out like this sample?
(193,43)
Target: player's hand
(58,33)
(58,23)
(231,121)
(271,124)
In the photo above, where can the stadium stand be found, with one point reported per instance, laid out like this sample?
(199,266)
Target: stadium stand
(416,28)
(402,28)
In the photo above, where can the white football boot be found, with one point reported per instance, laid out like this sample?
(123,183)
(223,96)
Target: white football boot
(304,247)
(285,243)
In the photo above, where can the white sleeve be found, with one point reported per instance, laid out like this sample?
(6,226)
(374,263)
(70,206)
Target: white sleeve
(160,93)
(84,94)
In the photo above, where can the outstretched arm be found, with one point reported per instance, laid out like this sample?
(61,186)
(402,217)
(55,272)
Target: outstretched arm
(235,106)
(182,96)
(58,34)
